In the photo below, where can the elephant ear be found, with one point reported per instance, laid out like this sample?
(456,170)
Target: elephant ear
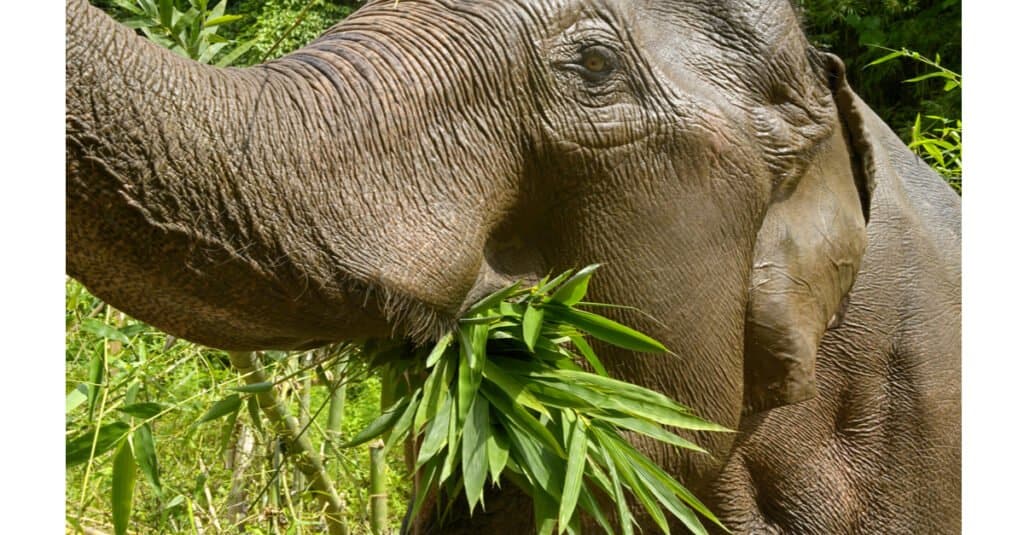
(808,250)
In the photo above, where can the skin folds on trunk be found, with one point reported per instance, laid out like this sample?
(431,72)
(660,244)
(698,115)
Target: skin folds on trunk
(208,201)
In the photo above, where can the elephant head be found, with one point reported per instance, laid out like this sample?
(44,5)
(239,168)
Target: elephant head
(423,153)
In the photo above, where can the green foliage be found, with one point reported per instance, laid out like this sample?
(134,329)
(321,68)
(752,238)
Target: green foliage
(938,140)
(189,29)
(151,393)
(852,29)
(505,397)
(276,27)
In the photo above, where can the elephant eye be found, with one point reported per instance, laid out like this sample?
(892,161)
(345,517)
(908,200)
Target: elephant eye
(597,62)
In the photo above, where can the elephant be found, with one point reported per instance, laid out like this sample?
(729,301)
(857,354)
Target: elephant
(802,264)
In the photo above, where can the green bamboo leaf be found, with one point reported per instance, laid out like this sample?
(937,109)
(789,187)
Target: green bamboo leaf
(475,435)
(532,320)
(605,329)
(436,435)
(381,424)
(928,76)
(145,457)
(545,286)
(513,387)
(224,407)
(670,485)
(575,288)
(255,388)
(479,336)
(448,467)
(77,396)
(143,410)
(545,511)
(493,300)
(211,51)
(435,394)
(400,429)
(645,427)
(497,453)
(103,330)
(428,483)
(122,488)
(223,19)
(627,473)
(625,516)
(514,311)
(467,382)
(573,474)
(77,450)
(588,353)
(481,320)
(97,367)
(666,497)
(544,469)
(217,10)
(590,505)
(166,9)
(231,57)
(149,8)
(557,396)
(634,400)
(514,414)
(128,6)
(888,57)
(439,349)
(252,404)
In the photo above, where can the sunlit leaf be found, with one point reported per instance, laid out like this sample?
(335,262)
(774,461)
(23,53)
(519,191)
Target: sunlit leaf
(475,435)
(77,450)
(573,474)
(380,425)
(76,397)
(224,407)
(122,489)
(145,456)
(143,410)
(605,329)
(573,290)
(532,320)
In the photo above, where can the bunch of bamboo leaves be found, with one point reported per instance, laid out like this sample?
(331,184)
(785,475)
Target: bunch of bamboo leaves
(503,396)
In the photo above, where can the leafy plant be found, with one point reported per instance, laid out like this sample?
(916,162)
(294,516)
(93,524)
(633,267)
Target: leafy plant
(191,33)
(277,27)
(937,141)
(148,394)
(851,28)
(505,396)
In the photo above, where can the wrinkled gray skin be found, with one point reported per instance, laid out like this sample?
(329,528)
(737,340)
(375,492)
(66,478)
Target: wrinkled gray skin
(804,263)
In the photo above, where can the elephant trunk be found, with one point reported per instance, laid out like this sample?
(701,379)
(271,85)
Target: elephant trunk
(236,207)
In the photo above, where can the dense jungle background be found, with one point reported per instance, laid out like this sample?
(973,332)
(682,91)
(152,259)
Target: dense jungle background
(205,458)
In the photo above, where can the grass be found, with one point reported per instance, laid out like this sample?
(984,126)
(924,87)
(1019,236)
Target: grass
(113,362)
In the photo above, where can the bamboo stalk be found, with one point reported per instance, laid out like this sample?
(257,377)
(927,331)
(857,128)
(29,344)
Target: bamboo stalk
(274,492)
(305,380)
(300,448)
(336,411)
(241,459)
(378,489)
